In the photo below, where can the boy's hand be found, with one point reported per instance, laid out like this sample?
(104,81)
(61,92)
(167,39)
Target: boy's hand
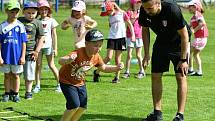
(120,66)
(34,55)
(1,61)
(72,57)
(22,60)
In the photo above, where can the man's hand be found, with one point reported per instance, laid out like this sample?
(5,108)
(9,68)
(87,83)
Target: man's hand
(22,60)
(146,61)
(183,66)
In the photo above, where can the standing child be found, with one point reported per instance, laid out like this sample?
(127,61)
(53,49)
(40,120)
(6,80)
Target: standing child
(133,14)
(50,46)
(35,37)
(12,51)
(73,70)
(200,31)
(117,35)
(80,23)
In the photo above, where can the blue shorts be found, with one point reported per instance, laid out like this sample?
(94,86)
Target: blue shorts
(75,96)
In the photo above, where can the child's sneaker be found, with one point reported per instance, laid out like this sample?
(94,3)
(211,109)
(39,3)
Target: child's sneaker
(178,117)
(126,75)
(153,117)
(36,89)
(190,73)
(140,75)
(28,95)
(96,77)
(115,80)
(197,74)
(5,98)
(58,89)
(16,98)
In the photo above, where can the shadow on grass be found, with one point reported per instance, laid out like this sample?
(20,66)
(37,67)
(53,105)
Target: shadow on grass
(93,117)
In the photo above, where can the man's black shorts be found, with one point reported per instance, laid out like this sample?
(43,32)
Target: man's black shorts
(161,60)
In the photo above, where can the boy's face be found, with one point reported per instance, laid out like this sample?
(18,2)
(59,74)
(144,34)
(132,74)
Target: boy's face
(94,47)
(13,14)
(30,13)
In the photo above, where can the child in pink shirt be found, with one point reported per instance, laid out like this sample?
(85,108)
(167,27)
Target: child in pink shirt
(200,31)
(133,14)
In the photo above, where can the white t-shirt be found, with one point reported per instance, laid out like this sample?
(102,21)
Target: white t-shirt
(117,26)
(78,26)
(48,25)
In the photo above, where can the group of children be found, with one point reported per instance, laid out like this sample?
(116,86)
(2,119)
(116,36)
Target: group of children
(23,42)
(25,39)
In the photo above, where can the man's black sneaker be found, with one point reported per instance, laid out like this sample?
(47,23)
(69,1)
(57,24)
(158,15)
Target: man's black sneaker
(178,118)
(154,117)
(96,77)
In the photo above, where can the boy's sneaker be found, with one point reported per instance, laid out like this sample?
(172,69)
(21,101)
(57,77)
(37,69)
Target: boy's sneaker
(58,89)
(5,98)
(178,118)
(36,89)
(28,95)
(16,98)
(115,80)
(140,75)
(96,77)
(190,73)
(196,74)
(126,75)
(153,117)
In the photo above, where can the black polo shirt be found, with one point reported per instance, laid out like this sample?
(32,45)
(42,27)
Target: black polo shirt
(165,25)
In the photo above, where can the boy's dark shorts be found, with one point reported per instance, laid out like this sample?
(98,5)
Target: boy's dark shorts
(75,96)
(117,44)
(161,61)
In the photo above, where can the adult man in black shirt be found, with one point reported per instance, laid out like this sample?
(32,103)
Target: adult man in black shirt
(172,42)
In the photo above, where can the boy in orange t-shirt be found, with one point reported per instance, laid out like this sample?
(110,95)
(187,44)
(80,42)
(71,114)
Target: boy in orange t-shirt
(73,70)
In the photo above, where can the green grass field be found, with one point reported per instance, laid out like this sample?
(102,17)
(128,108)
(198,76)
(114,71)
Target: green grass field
(128,101)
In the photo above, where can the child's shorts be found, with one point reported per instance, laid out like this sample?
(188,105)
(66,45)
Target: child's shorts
(29,70)
(117,44)
(47,51)
(137,44)
(75,96)
(199,43)
(7,68)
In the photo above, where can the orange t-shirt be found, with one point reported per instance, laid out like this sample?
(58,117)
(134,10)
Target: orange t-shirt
(74,72)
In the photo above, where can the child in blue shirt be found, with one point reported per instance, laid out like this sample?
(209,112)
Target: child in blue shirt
(12,51)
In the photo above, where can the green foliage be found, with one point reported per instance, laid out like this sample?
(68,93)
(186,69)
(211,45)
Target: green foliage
(131,99)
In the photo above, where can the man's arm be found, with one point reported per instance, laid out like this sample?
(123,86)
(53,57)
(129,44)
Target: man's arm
(184,42)
(183,65)
(146,41)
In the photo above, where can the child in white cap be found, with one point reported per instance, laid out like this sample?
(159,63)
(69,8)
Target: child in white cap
(79,22)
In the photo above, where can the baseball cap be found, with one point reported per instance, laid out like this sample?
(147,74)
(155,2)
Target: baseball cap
(94,35)
(30,4)
(79,5)
(197,4)
(43,3)
(12,4)
(134,1)
(106,6)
